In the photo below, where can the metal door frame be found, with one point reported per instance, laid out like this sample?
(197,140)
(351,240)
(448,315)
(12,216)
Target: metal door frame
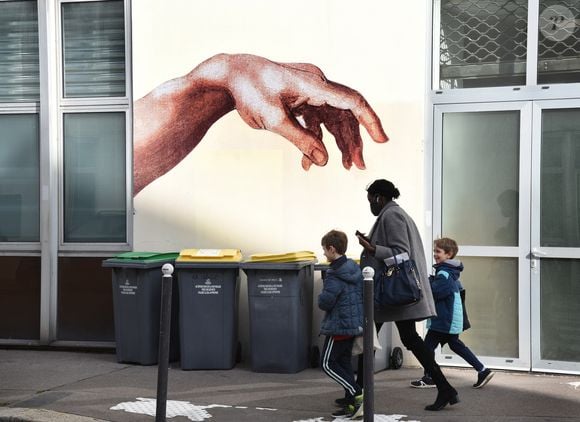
(537,252)
(521,252)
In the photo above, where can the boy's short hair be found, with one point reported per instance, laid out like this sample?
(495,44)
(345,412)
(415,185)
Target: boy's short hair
(337,239)
(448,245)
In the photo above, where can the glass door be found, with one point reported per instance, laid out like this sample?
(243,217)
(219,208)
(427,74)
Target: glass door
(555,237)
(481,197)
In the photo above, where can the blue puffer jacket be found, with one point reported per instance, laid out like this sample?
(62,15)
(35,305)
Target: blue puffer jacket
(342,299)
(445,286)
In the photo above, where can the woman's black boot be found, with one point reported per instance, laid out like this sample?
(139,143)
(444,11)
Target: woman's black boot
(443,399)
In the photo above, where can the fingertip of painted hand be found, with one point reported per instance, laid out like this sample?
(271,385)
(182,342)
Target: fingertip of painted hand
(382,138)
(360,164)
(319,157)
(358,160)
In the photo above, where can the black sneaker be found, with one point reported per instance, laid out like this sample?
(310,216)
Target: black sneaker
(483,378)
(357,410)
(425,382)
(342,402)
(344,412)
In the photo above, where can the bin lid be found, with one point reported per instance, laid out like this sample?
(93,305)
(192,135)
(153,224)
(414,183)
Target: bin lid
(210,255)
(140,258)
(296,265)
(283,257)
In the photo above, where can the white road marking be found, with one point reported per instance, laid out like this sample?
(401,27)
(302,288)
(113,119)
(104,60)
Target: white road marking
(378,418)
(146,406)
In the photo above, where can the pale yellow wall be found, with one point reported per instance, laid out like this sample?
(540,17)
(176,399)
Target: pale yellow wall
(244,188)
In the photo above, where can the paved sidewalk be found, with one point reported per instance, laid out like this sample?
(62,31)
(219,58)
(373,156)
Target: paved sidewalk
(50,386)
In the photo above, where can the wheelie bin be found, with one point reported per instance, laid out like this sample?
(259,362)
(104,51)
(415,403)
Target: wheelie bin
(136,285)
(280,310)
(209,299)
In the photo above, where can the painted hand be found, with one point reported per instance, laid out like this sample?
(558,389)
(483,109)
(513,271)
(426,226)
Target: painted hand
(294,100)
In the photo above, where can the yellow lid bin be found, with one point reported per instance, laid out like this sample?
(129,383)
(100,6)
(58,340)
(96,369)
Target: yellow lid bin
(209,255)
(283,257)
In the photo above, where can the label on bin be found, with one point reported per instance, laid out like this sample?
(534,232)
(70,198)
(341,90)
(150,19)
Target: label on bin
(128,288)
(207,289)
(209,252)
(270,286)
(206,286)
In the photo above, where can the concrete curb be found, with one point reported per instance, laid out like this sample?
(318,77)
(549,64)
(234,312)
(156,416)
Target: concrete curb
(15,414)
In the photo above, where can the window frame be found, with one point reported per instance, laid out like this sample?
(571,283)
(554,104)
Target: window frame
(50,108)
(31,247)
(94,105)
(530,91)
(92,246)
(28,107)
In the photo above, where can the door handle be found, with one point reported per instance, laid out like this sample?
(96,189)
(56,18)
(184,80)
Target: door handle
(537,253)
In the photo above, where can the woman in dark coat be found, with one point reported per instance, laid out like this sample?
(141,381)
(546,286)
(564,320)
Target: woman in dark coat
(393,233)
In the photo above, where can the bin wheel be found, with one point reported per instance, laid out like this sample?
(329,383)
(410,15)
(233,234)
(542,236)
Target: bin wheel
(397,358)
(239,352)
(314,357)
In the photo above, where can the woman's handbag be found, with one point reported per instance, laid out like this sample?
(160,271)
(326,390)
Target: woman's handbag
(466,323)
(398,285)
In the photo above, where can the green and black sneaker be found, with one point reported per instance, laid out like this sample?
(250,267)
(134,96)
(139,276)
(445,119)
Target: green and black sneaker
(357,410)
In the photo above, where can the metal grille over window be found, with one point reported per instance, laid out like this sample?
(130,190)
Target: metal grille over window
(94,49)
(483,43)
(19,72)
(559,42)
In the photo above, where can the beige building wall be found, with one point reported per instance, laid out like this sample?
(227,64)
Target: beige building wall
(245,188)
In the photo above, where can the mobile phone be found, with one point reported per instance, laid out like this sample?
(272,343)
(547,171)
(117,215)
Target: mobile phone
(360,234)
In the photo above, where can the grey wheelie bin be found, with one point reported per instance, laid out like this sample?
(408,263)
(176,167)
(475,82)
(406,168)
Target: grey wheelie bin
(280,308)
(208,317)
(137,306)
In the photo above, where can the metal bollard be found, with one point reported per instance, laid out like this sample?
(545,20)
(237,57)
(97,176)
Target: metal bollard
(164,337)
(368,346)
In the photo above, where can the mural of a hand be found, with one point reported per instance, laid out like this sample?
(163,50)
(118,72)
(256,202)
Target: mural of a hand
(290,99)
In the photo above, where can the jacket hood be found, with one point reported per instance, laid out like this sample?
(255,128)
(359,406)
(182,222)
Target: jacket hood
(349,272)
(451,265)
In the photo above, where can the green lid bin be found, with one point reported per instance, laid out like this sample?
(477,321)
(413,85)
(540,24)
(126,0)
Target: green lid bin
(136,280)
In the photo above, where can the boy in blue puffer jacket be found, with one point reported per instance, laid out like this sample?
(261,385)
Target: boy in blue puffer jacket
(448,324)
(342,300)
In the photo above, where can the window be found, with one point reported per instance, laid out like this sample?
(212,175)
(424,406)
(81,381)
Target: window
(92,137)
(19,76)
(482,43)
(94,49)
(485,43)
(559,42)
(472,143)
(94,122)
(19,124)
(19,178)
(94,177)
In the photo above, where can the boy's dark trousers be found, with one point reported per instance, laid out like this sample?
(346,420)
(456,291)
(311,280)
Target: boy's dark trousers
(435,338)
(336,363)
